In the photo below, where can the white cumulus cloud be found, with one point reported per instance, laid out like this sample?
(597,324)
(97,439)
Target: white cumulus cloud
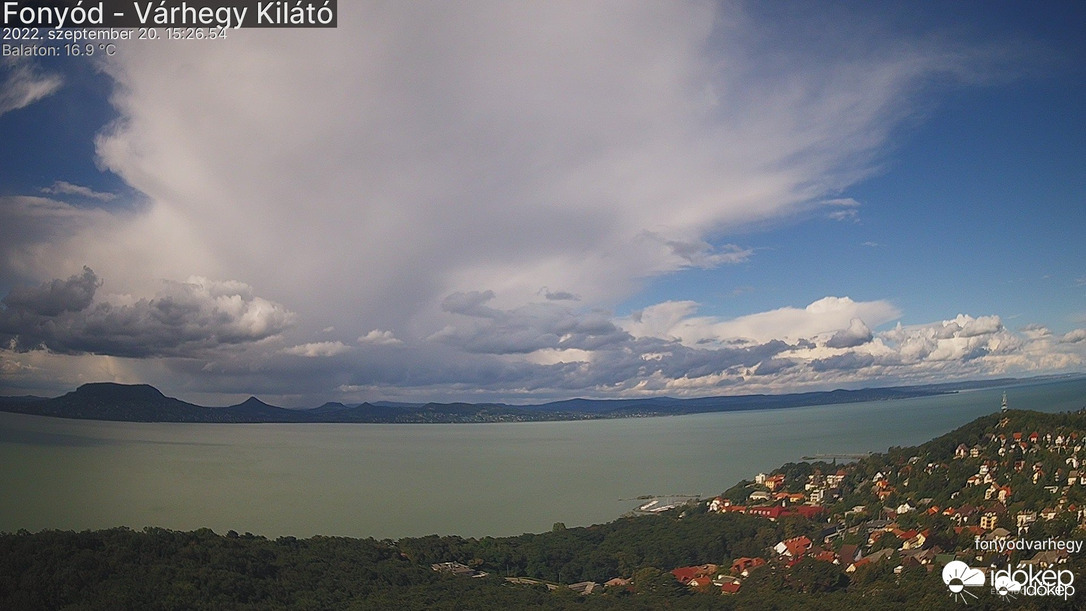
(318,349)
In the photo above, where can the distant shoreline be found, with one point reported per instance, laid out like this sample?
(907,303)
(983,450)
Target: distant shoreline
(107,401)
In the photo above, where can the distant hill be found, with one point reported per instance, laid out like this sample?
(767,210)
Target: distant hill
(144,403)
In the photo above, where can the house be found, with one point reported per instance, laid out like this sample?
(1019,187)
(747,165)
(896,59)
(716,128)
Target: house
(988,520)
(743,566)
(915,542)
(835,480)
(795,547)
(922,556)
(771,511)
(730,588)
(879,556)
(808,511)
(586,587)
(719,504)
(848,554)
(796,498)
(1024,520)
(687,573)
(455,568)
(703,581)
(774,481)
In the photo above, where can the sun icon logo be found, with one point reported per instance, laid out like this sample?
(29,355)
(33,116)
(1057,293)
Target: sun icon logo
(1006,587)
(958,575)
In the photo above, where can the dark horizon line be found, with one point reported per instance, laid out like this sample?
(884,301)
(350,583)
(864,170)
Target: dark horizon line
(933,388)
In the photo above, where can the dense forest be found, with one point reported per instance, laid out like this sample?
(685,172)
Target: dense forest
(162,569)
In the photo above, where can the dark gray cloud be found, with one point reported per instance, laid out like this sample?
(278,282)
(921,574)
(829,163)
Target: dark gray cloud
(524,330)
(56,297)
(63,317)
(470,304)
(560,295)
(846,362)
(773,366)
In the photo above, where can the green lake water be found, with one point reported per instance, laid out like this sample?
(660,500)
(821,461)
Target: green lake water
(390,481)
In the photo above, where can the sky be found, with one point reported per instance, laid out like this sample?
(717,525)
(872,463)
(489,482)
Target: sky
(524,202)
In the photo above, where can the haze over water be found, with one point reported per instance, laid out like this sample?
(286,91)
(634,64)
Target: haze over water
(374,480)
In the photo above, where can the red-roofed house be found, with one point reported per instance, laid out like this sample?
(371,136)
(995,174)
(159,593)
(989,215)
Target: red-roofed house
(700,582)
(795,547)
(772,511)
(687,573)
(743,566)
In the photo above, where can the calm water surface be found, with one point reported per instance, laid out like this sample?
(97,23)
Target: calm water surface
(407,480)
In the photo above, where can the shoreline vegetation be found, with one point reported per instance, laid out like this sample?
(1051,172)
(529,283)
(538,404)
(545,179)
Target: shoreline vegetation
(144,403)
(871,533)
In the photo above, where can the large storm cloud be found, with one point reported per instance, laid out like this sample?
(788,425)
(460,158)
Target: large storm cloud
(183,319)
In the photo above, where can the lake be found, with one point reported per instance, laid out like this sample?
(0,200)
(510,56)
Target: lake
(391,481)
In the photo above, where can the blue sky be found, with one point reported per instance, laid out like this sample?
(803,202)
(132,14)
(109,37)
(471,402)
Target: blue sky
(492,201)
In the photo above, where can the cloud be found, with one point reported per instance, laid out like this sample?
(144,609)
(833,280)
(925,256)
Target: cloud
(703,255)
(1074,337)
(56,297)
(558,295)
(61,187)
(183,319)
(839,317)
(843,209)
(35,232)
(463,150)
(413,177)
(856,334)
(318,349)
(548,350)
(24,84)
(523,330)
(378,337)
(470,304)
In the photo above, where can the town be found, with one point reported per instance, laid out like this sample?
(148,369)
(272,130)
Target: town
(921,508)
